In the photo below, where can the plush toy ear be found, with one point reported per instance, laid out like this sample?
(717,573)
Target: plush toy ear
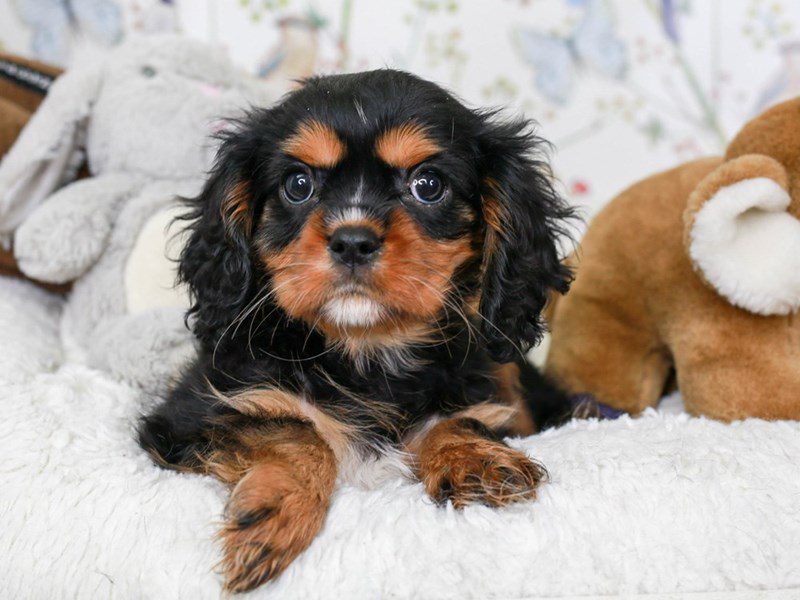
(216,262)
(46,155)
(740,237)
(525,218)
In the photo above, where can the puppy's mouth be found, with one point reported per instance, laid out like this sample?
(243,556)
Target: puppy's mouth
(353,305)
(356,286)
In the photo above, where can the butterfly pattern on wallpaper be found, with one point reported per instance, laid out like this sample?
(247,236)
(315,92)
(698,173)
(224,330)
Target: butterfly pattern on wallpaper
(53,24)
(556,60)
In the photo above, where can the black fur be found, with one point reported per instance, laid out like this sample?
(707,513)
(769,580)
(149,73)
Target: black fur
(221,264)
(526,269)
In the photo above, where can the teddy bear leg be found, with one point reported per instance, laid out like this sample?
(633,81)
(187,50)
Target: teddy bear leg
(619,363)
(741,380)
(147,350)
(65,236)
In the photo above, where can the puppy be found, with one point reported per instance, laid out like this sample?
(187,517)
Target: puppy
(368,262)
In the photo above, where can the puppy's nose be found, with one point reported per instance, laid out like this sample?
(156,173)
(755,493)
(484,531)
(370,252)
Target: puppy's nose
(354,246)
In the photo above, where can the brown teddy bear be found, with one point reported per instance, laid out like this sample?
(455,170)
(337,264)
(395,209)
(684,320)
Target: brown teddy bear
(696,272)
(23,86)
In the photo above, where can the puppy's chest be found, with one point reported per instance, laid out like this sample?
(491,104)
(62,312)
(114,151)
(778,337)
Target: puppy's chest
(389,405)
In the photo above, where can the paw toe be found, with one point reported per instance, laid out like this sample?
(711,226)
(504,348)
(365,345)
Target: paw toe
(495,478)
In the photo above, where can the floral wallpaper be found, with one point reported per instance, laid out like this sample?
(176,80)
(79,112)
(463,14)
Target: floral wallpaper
(622,88)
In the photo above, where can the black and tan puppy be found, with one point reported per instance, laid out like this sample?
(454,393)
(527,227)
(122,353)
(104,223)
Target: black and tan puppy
(368,262)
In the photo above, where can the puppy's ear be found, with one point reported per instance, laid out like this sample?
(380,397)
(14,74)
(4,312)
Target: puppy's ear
(525,218)
(216,262)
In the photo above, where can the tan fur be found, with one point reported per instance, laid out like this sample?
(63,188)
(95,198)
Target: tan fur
(405,146)
(283,482)
(415,271)
(302,273)
(271,403)
(493,415)
(316,145)
(394,335)
(510,394)
(282,468)
(494,215)
(410,280)
(637,308)
(455,463)
(235,208)
(507,412)
(494,212)
(774,134)
(737,169)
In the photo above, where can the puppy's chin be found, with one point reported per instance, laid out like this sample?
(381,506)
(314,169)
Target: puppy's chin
(353,311)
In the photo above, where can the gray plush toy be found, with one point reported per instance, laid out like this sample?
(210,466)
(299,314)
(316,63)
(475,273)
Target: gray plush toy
(144,116)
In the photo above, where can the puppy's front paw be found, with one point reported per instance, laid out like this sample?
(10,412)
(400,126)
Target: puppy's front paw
(481,471)
(270,519)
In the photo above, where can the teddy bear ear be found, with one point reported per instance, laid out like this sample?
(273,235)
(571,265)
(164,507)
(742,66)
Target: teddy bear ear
(741,238)
(47,153)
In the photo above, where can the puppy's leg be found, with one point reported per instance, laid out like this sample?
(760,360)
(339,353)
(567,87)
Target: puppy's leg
(283,474)
(462,460)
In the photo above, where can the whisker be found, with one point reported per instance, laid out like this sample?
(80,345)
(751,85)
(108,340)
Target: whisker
(448,303)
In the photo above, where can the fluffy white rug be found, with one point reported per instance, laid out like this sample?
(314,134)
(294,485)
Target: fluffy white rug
(661,504)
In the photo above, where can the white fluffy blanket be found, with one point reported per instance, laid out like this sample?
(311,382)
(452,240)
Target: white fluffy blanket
(660,504)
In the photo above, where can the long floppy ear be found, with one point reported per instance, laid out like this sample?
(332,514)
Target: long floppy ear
(216,261)
(525,219)
(47,153)
(740,237)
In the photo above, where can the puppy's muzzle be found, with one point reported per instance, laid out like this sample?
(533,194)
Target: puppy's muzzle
(354,246)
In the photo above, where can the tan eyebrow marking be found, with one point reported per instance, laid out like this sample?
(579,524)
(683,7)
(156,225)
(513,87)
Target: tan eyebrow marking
(316,145)
(405,146)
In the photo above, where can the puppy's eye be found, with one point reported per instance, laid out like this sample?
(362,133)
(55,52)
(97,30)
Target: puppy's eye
(148,71)
(298,187)
(427,187)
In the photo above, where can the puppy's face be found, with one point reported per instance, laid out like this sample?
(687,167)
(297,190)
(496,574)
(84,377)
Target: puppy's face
(370,214)
(374,202)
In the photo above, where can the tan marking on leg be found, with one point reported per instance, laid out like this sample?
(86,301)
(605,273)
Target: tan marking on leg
(280,455)
(490,414)
(270,403)
(458,461)
(493,415)
(510,393)
(277,506)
